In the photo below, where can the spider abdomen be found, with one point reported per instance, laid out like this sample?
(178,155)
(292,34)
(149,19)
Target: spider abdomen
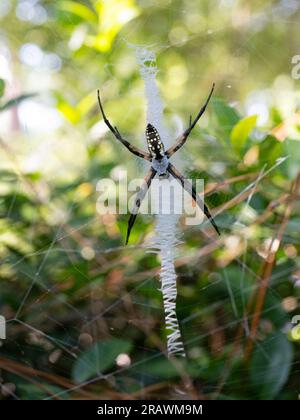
(155,145)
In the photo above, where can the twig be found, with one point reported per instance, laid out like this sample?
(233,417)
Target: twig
(268,268)
(18,368)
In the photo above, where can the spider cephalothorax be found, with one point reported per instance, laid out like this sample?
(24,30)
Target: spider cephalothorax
(160,164)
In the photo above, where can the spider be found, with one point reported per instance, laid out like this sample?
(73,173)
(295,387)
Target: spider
(160,164)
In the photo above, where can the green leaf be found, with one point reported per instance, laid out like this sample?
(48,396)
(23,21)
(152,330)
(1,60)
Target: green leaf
(270,149)
(79,10)
(241,132)
(16,101)
(112,16)
(274,310)
(99,358)
(69,112)
(2,87)
(8,176)
(226,115)
(36,392)
(156,369)
(270,365)
(292,164)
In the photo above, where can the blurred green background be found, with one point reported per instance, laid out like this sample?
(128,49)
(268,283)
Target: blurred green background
(84,314)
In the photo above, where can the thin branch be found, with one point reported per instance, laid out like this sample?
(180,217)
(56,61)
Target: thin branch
(268,268)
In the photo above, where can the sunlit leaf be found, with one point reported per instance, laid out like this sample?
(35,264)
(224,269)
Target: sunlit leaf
(275,116)
(69,112)
(86,103)
(75,113)
(99,358)
(79,10)
(270,365)
(241,132)
(14,240)
(112,16)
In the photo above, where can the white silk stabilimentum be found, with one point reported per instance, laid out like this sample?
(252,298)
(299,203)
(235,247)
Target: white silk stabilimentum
(165,241)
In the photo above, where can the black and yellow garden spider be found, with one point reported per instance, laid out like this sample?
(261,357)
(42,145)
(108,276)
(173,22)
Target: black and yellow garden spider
(160,163)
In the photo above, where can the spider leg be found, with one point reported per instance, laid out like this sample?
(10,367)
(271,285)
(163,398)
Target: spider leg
(191,190)
(182,139)
(139,198)
(116,133)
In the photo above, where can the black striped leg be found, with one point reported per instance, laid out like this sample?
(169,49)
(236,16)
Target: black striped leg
(116,133)
(139,198)
(191,190)
(182,139)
